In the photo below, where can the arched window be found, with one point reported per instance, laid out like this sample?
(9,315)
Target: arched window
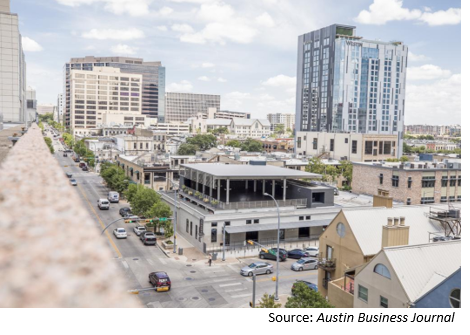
(382,270)
(454,298)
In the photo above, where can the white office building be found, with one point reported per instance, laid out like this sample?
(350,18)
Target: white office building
(182,106)
(12,68)
(285,119)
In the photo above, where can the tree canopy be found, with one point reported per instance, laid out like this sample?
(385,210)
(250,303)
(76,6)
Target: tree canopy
(187,149)
(267,301)
(252,145)
(234,143)
(305,297)
(279,129)
(203,141)
(114,177)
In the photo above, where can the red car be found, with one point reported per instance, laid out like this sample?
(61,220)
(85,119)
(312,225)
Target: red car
(160,280)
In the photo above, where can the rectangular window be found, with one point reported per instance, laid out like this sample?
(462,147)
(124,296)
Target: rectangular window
(459,181)
(299,142)
(354,147)
(256,220)
(452,181)
(214,224)
(368,148)
(315,143)
(332,145)
(408,201)
(444,181)
(214,235)
(248,221)
(395,181)
(346,140)
(381,178)
(428,182)
(363,293)
(307,217)
(383,302)
(410,181)
(301,218)
(427,200)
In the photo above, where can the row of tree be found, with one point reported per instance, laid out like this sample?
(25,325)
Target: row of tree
(199,142)
(407,149)
(330,172)
(250,145)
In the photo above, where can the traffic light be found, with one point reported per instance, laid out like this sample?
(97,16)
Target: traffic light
(250,242)
(130,221)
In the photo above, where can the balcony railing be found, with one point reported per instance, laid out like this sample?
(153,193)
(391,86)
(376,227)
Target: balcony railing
(216,204)
(326,263)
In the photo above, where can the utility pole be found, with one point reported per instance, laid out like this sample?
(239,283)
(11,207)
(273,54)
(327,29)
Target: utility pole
(254,291)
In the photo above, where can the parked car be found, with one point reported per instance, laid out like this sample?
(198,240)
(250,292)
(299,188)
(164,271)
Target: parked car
(272,254)
(125,211)
(81,164)
(312,251)
(103,204)
(85,168)
(73,182)
(139,230)
(77,159)
(160,280)
(120,233)
(69,175)
(308,263)
(310,285)
(65,155)
(113,196)
(257,268)
(296,254)
(148,238)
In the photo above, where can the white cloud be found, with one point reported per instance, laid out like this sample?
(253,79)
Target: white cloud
(221,80)
(235,99)
(265,20)
(204,78)
(182,28)
(162,28)
(427,72)
(181,87)
(114,34)
(119,7)
(280,81)
(165,11)
(30,44)
(207,65)
(123,49)
(382,11)
(416,58)
(439,100)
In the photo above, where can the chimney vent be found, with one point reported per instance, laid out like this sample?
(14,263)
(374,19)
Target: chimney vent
(402,221)
(389,222)
(397,221)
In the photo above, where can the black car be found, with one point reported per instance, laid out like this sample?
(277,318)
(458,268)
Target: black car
(69,175)
(272,254)
(297,254)
(85,168)
(160,280)
(125,211)
(65,155)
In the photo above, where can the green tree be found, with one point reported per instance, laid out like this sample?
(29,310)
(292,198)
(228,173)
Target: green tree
(332,171)
(114,177)
(346,170)
(404,159)
(143,201)
(392,160)
(267,301)
(49,144)
(252,145)
(290,132)
(131,191)
(187,149)
(48,118)
(407,149)
(220,131)
(161,210)
(305,297)
(41,125)
(234,143)
(315,165)
(279,129)
(203,141)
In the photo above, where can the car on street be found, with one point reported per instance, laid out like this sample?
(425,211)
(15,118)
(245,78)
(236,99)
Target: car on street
(133,218)
(120,233)
(308,263)
(103,204)
(139,230)
(148,238)
(85,168)
(65,155)
(297,254)
(256,268)
(124,211)
(73,182)
(312,251)
(160,280)
(69,175)
(272,254)
(310,285)
(113,196)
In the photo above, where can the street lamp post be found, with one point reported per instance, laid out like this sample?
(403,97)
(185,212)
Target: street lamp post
(276,296)
(174,213)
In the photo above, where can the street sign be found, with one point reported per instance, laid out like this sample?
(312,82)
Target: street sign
(162,219)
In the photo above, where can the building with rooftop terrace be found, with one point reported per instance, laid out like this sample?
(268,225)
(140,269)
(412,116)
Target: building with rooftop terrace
(225,199)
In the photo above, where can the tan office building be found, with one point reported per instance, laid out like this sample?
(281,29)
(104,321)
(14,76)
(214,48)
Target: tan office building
(353,147)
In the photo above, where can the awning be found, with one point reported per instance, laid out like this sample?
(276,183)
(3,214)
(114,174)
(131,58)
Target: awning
(273,226)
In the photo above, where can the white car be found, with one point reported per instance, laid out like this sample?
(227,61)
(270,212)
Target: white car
(120,233)
(139,230)
(312,251)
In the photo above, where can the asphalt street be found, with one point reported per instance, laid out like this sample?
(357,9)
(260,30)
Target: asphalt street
(193,284)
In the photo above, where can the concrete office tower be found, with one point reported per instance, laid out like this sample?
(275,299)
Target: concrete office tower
(349,84)
(288,120)
(12,67)
(102,90)
(182,106)
(31,106)
(153,81)
(58,115)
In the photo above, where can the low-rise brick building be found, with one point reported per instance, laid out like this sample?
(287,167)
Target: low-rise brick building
(410,183)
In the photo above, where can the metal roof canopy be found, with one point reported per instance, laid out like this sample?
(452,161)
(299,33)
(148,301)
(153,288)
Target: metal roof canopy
(273,226)
(237,171)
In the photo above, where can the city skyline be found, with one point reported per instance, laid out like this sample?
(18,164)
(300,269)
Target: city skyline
(243,51)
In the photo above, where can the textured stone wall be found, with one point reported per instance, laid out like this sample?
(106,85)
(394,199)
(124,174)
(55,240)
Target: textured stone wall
(51,251)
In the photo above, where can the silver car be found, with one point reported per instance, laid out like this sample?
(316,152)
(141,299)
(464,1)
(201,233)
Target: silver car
(307,263)
(256,268)
(139,230)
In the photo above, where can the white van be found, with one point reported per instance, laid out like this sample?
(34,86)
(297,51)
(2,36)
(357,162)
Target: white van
(113,196)
(103,204)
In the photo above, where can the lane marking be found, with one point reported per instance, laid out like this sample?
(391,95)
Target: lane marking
(162,261)
(222,279)
(236,290)
(101,223)
(150,261)
(300,274)
(241,295)
(124,263)
(233,284)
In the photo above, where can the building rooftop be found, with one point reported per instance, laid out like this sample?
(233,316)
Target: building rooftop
(454,164)
(250,171)
(432,263)
(366,225)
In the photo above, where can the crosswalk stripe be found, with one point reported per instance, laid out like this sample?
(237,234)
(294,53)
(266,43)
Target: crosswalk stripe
(233,284)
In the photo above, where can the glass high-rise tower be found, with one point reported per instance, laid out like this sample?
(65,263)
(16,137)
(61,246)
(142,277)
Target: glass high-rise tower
(349,84)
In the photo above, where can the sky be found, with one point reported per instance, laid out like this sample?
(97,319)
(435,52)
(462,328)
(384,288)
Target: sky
(244,50)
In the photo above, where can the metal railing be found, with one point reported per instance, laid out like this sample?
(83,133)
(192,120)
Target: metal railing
(214,203)
(326,263)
